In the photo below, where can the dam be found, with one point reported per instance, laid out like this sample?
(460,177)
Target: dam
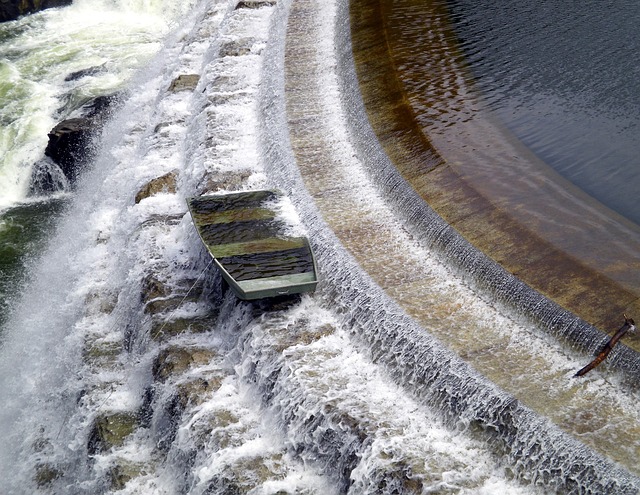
(419,364)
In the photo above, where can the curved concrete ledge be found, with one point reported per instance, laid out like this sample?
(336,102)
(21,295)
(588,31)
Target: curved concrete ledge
(423,366)
(548,283)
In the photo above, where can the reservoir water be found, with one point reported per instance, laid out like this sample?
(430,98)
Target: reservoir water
(564,78)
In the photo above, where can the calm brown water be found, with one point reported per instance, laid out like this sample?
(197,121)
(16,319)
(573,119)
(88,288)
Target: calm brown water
(470,90)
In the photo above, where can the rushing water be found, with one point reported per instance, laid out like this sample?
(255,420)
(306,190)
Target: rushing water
(122,321)
(39,55)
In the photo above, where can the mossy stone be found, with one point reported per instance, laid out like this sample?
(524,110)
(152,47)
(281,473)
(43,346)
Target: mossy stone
(111,430)
(176,359)
(102,353)
(124,471)
(162,330)
(45,474)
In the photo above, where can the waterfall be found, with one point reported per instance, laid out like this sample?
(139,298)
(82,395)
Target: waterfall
(109,40)
(126,365)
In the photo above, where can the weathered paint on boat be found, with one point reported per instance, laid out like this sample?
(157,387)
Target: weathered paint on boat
(249,246)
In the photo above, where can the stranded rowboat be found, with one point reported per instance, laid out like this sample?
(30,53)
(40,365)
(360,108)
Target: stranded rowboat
(248,242)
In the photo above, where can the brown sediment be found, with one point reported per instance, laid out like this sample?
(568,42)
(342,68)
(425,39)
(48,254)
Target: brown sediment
(534,224)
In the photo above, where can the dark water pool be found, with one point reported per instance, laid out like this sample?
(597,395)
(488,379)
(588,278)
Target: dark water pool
(564,77)
(24,230)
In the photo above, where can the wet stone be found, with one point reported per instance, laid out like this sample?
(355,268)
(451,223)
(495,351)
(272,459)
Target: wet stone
(254,4)
(176,360)
(223,181)
(165,183)
(101,302)
(45,474)
(195,392)
(124,471)
(102,353)
(167,305)
(111,430)
(246,474)
(160,220)
(184,82)
(220,429)
(237,48)
(153,288)
(162,330)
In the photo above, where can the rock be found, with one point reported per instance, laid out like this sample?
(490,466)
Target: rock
(71,141)
(124,471)
(47,177)
(101,301)
(192,392)
(165,183)
(152,288)
(162,330)
(245,474)
(237,48)
(100,107)
(195,391)
(184,82)
(254,4)
(175,360)
(89,71)
(70,144)
(223,181)
(102,354)
(167,305)
(12,9)
(45,474)
(111,430)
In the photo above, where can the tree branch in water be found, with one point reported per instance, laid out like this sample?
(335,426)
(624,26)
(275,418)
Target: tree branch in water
(629,324)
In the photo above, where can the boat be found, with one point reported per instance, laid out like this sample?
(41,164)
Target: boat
(249,243)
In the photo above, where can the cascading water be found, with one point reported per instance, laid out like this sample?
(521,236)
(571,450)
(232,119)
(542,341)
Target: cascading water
(126,367)
(38,53)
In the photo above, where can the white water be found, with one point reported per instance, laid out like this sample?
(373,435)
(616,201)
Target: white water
(38,52)
(299,405)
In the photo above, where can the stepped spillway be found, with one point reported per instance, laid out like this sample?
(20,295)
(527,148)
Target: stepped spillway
(398,375)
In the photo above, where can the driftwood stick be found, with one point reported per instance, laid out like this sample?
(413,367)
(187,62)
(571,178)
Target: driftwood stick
(629,324)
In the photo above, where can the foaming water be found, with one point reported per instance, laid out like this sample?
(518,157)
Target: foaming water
(39,51)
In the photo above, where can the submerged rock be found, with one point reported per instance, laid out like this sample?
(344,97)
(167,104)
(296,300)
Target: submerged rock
(102,354)
(166,183)
(184,82)
(246,474)
(45,474)
(47,177)
(162,329)
(12,9)
(227,181)
(110,430)
(89,71)
(237,48)
(177,359)
(124,471)
(254,4)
